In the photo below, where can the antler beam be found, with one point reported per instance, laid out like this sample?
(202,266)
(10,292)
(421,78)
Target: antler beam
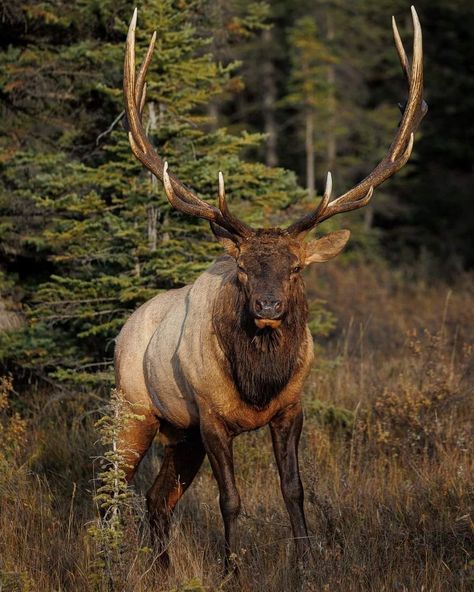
(180,197)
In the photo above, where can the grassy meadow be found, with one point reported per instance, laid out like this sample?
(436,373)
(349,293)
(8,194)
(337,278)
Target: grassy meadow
(386,460)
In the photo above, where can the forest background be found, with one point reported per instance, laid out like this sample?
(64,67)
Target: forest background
(274,95)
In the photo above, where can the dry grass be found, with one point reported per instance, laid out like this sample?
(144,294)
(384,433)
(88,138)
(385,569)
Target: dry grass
(385,460)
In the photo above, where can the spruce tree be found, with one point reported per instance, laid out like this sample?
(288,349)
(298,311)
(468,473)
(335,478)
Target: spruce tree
(106,230)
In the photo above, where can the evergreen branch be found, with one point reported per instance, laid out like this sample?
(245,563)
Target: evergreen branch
(110,128)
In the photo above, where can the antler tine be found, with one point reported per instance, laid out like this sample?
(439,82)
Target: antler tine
(347,207)
(129,79)
(179,204)
(415,108)
(142,101)
(308,221)
(221,194)
(401,50)
(140,83)
(401,147)
(243,229)
(206,211)
(183,199)
(326,196)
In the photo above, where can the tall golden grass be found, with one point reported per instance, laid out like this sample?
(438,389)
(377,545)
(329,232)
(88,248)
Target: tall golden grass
(386,460)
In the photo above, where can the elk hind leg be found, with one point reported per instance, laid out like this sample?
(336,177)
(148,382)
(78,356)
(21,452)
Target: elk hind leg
(181,463)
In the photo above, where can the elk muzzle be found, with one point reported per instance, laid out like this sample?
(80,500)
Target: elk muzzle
(268,311)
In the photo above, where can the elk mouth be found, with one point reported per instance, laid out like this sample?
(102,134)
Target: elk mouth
(270,323)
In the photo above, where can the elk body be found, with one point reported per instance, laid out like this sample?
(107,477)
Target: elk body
(230,353)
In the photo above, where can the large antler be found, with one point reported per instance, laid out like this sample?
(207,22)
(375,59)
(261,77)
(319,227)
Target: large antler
(180,197)
(400,149)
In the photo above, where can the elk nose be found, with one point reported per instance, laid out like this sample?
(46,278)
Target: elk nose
(268,307)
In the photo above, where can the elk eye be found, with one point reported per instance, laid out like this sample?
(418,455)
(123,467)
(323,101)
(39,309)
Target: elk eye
(296,269)
(241,268)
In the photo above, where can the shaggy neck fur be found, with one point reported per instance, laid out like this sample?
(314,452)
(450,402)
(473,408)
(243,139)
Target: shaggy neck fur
(261,361)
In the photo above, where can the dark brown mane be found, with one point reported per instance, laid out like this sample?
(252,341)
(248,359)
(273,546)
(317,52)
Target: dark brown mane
(261,361)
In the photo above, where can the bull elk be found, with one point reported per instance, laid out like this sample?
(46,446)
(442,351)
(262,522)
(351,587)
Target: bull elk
(230,353)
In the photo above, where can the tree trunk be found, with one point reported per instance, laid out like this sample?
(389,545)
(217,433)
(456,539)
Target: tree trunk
(368,216)
(152,211)
(213,114)
(331,78)
(151,126)
(309,146)
(331,140)
(269,100)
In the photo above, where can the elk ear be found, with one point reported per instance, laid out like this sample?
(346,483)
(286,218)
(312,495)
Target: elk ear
(327,247)
(227,240)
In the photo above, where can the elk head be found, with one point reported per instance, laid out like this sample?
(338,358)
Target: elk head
(269,261)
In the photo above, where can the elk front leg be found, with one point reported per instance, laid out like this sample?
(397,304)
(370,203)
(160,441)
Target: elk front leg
(286,430)
(218,444)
